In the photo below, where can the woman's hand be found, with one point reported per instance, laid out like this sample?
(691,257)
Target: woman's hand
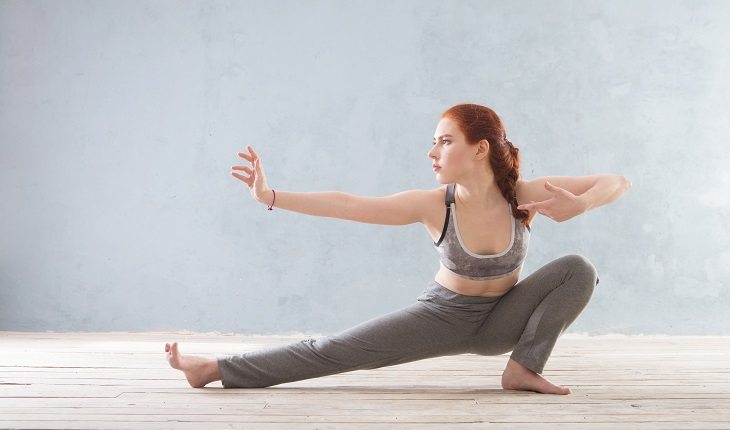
(256,179)
(563,206)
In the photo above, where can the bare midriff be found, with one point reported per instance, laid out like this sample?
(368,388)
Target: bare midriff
(469,287)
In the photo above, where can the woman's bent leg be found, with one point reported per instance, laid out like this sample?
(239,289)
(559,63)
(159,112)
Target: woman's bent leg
(412,333)
(530,317)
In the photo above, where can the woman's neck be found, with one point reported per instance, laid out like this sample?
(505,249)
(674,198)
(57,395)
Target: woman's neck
(478,195)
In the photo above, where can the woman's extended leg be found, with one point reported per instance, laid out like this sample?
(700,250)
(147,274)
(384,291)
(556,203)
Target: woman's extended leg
(418,331)
(530,317)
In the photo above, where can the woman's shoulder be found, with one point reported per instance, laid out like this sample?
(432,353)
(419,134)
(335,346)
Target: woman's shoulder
(438,194)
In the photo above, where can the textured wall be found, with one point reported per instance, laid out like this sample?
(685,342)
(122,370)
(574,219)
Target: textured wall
(119,122)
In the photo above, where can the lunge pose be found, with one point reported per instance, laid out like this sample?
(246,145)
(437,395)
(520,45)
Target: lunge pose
(480,222)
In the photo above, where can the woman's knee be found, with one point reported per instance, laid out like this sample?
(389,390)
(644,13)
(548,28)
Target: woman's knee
(582,266)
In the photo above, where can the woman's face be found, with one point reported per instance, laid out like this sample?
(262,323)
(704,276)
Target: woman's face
(450,151)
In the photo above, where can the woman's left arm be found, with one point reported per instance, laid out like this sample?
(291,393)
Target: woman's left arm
(564,197)
(607,189)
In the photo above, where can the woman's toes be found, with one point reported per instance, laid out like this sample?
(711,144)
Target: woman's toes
(173,356)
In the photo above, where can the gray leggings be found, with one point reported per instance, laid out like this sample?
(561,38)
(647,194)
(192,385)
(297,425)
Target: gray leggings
(527,320)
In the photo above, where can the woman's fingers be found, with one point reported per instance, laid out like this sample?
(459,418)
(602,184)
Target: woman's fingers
(253,158)
(239,176)
(241,168)
(243,178)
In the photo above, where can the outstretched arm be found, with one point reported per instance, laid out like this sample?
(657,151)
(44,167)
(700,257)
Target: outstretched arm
(324,203)
(316,203)
(405,207)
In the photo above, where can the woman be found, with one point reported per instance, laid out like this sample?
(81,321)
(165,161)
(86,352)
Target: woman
(474,303)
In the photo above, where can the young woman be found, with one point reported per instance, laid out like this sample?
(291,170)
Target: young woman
(474,303)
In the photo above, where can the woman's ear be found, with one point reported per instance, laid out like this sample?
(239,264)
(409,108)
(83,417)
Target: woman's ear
(483,149)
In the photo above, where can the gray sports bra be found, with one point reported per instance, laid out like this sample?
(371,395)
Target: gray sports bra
(459,260)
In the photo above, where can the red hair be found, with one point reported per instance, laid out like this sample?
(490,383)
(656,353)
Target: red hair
(479,122)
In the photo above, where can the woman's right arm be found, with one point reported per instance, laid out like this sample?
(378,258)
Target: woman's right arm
(406,207)
(318,203)
(326,204)
(402,208)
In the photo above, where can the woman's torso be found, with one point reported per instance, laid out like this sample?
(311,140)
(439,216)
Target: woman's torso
(478,240)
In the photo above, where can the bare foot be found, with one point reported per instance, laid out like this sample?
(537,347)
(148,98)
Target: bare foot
(199,371)
(519,377)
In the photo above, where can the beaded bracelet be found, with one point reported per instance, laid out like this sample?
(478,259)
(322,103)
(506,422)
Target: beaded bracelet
(272,203)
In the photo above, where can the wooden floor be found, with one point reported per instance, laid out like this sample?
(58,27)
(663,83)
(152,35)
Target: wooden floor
(122,381)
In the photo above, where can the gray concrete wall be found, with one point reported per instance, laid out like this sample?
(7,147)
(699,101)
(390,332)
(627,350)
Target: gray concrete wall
(119,122)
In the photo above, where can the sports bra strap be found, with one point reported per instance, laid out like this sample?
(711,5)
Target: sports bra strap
(448,200)
(449,195)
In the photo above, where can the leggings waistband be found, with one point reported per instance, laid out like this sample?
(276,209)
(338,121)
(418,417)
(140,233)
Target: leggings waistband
(436,289)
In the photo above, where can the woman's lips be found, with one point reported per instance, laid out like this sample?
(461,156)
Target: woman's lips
(435,168)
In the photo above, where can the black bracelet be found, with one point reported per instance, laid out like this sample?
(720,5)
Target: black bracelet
(272,203)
